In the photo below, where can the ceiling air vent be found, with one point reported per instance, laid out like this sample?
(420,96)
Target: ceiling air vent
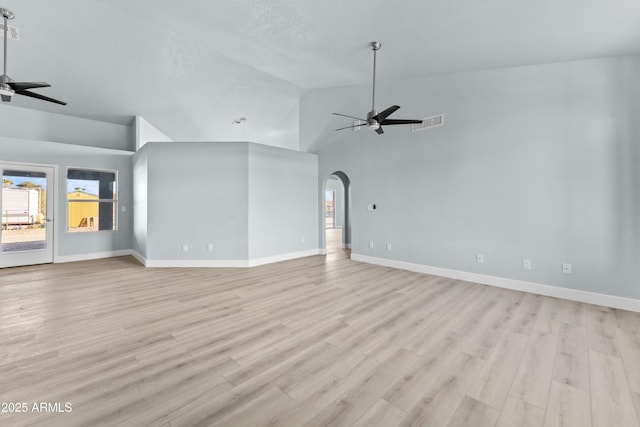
(429,122)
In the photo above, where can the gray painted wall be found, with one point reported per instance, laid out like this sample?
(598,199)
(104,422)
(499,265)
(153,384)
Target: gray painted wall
(283,202)
(140,203)
(336,185)
(250,201)
(535,162)
(43,126)
(69,155)
(196,195)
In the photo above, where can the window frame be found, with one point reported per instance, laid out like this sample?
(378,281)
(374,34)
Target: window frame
(114,201)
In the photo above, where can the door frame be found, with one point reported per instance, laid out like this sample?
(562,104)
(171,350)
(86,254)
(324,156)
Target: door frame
(53,215)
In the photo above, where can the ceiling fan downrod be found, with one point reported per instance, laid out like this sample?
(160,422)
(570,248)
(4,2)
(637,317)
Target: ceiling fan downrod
(6,15)
(375,46)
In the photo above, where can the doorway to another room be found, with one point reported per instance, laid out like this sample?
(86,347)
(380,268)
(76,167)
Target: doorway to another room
(336,216)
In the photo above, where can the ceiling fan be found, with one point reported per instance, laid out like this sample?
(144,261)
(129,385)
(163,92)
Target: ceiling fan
(9,87)
(374,119)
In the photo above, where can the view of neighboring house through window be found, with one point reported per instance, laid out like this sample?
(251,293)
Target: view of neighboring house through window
(91,200)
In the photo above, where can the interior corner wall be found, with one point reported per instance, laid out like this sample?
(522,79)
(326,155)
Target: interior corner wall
(75,246)
(196,195)
(283,202)
(535,162)
(140,202)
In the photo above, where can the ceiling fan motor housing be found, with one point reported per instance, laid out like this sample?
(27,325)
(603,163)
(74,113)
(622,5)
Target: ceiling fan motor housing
(5,89)
(371,122)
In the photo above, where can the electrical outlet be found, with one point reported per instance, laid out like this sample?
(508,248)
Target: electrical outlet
(566,268)
(370,208)
(389,246)
(302,239)
(371,244)
(185,248)
(210,247)
(480,258)
(526,264)
(123,208)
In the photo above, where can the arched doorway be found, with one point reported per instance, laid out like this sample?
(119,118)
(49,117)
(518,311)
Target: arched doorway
(336,217)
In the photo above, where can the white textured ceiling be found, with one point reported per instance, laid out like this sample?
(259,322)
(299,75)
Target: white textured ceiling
(191,67)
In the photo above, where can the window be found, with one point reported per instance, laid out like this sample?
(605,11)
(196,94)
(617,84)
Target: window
(92,200)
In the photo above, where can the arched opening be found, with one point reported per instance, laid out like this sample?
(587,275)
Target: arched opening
(336,218)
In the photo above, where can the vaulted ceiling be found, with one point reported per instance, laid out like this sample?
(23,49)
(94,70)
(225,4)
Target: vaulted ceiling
(191,67)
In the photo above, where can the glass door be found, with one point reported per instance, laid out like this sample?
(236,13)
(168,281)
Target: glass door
(329,208)
(26,211)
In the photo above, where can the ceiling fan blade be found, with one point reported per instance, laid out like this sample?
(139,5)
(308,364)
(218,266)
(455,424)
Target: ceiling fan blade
(386,113)
(6,98)
(38,96)
(353,126)
(400,122)
(27,85)
(379,131)
(351,117)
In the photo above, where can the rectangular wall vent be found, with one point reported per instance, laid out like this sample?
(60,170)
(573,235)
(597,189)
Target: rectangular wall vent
(429,122)
(12,32)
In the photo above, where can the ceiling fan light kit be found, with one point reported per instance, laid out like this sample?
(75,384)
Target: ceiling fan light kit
(8,86)
(376,120)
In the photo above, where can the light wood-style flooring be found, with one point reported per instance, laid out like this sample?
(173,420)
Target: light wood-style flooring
(317,341)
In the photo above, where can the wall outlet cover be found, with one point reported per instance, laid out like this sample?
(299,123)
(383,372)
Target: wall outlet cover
(480,258)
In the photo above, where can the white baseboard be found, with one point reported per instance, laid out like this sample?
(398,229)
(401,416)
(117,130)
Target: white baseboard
(90,256)
(139,257)
(284,257)
(197,263)
(214,263)
(502,282)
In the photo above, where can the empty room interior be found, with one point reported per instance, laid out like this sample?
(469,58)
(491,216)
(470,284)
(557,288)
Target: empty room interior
(303,213)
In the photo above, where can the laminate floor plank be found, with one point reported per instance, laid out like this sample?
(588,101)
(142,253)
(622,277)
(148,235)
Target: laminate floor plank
(474,413)
(601,329)
(568,407)
(518,413)
(533,379)
(365,393)
(494,381)
(381,414)
(438,405)
(572,357)
(611,399)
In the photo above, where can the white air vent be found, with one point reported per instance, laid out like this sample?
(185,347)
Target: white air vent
(13,32)
(429,122)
